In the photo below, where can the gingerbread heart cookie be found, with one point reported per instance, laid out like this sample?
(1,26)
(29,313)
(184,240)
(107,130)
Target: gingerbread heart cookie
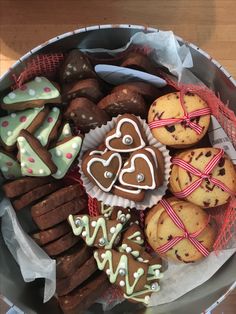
(103,169)
(139,171)
(127,136)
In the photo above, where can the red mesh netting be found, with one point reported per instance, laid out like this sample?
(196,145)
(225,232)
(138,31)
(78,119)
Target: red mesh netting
(48,65)
(41,65)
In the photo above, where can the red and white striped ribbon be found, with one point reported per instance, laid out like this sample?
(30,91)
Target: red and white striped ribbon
(206,174)
(186,117)
(179,223)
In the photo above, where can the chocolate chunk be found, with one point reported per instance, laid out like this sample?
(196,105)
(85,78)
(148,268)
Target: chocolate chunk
(209,188)
(208,154)
(206,204)
(190,176)
(189,94)
(170,128)
(221,172)
(170,237)
(216,202)
(221,162)
(186,254)
(178,256)
(198,156)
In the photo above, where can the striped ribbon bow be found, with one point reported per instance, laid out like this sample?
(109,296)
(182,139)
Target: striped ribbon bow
(190,236)
(206,174)
(186,117)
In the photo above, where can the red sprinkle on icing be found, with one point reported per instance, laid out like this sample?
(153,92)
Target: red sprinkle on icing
(5,124)
(23,87)
(23,118)
(50,119)
(47,89)
(69,156)
(9,163)
(29,170)
(31,159)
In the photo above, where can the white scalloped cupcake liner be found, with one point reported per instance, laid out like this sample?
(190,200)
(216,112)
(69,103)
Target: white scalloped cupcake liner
(96,137)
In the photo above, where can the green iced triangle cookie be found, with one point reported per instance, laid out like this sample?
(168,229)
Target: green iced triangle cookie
(66,132)
(11,125)
(10,168)
(31,163)
(38,89)
(44,131)
(64,154)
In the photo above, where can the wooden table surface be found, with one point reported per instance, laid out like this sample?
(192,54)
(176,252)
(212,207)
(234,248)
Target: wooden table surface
(210,24)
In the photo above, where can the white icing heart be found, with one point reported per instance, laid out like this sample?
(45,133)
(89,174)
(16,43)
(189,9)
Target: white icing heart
(118,134)
(105,163)
(151,151)
(98,152)
(132,169)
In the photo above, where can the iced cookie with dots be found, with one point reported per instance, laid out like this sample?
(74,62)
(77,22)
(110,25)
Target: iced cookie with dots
(47,132)
(85,115)
(35,160)
(178,135)
(124,101)
(102,169)
(64,153)
(139,171)
(132,241)
(134,278)
(127,136)
(9,166)
(12,124)
(65,132)
(33,94)
(76,67)
(96,231)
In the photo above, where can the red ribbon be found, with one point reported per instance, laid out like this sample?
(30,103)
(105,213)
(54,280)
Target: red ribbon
(206,174)
(186,117)
(190,236)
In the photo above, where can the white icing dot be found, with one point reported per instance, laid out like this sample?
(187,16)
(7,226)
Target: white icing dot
(23,150)
(69,66)
(93,223)
(67,73)
(55,109)
(122,283)
(103,255)
(58,153)
(41,171)
(128,249)
(108,271)
(38,79)
(75,145)
(136,275)
(39,137)
(112,230)
(74,69)
(31,92)
(23,164)
(9,133)
(58,172)
(83,116)
(84,233)
(12,95)
(140,259)
(90,118)
(13,115)
(138,239)
(4,169)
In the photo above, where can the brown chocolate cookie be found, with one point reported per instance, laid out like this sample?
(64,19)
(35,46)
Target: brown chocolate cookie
(21,186)
(68,262)
(56,199)
(34,195)
(88,88)
(60,213)
(49,235)
(85,114)
(85,295)
(76,67)
(61,245)
(82,273)
(122,102)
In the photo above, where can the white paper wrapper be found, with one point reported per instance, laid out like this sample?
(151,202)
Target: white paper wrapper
(33,261)
(96,137)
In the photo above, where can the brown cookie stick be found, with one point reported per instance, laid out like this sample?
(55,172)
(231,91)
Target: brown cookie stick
(61,245)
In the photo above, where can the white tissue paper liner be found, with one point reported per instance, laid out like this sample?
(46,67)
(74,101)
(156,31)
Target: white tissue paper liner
(33,261)
(96,137)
